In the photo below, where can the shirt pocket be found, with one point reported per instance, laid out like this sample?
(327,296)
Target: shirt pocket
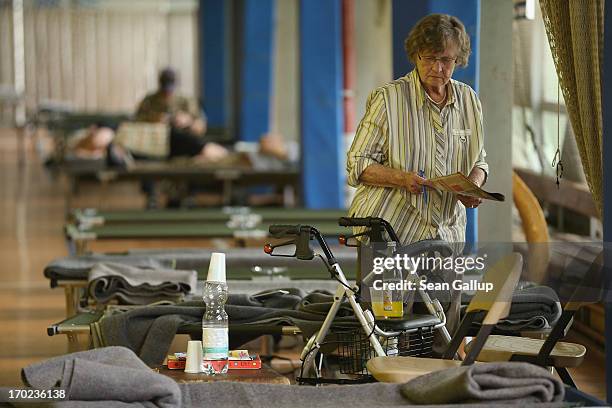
(463,135)
(461,141)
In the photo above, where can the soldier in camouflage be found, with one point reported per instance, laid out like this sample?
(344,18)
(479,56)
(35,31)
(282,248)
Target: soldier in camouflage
(166,106)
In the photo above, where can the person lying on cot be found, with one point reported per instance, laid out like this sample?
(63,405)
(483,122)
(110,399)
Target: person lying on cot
(96,143)
(92,142)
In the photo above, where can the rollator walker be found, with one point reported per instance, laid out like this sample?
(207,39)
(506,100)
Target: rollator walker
(372,337)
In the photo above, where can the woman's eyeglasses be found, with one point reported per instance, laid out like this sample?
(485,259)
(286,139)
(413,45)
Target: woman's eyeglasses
(446,61)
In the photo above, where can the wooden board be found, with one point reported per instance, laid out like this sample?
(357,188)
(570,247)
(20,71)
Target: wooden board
(502,348)
(263,375)
(403,369)
(503,275)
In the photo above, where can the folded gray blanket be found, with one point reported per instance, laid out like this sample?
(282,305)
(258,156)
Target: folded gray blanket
(138,286)
(78,267)
(239,394)
(112,374)
(509,382)
(150,330)
(533,308)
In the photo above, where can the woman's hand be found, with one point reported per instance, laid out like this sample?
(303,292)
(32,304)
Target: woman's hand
(414,183)
(477,176)
(469,202)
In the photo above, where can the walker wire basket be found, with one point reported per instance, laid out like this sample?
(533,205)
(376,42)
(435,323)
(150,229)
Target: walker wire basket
(354,348)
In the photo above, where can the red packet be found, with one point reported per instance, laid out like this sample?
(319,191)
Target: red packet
(253,363)
(176,362)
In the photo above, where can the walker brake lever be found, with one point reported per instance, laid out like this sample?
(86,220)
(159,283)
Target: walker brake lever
(269,248)
(301,239)
(344,239)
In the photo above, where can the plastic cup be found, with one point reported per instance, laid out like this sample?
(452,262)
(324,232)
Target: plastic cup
(216,269)
(194,363)
(376,298)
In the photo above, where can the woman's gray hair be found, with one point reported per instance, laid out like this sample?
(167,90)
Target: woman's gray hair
(433,33)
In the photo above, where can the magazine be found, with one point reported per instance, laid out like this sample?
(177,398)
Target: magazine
(457,183)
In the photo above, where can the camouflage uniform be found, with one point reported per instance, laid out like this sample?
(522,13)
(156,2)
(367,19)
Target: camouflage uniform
(155,105)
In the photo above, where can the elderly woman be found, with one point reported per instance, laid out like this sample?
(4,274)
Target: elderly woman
(421,126)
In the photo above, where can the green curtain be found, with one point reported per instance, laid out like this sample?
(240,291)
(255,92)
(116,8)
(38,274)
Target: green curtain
(575,34)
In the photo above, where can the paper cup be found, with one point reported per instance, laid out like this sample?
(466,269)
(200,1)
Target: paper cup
(194,363)
(216,269)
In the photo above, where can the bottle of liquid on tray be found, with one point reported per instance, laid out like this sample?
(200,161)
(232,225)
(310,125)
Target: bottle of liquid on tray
(215,339)
(393,305)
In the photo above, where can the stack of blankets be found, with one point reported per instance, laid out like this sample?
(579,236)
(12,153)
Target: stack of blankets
(135,285)
(534,308)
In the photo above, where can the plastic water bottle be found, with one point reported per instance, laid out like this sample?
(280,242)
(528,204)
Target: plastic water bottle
(391,346)
(215,341)
(214,329)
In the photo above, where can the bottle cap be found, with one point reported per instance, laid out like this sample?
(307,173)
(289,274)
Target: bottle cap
(216,269)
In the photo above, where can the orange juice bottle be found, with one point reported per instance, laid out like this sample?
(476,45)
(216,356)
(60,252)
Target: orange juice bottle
(392,294)
(393,306)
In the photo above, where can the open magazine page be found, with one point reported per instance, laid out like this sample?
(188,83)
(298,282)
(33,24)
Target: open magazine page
(457,183)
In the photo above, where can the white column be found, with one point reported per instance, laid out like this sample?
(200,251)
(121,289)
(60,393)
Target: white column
(495,219)
(19,63)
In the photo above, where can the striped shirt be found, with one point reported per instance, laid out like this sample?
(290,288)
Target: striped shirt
(403,129)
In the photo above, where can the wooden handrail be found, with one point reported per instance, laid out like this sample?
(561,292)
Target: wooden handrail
(570,194)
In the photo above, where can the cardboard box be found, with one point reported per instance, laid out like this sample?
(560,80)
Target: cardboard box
(252,363)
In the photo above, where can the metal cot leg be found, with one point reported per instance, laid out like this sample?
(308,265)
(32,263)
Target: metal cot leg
(565,376)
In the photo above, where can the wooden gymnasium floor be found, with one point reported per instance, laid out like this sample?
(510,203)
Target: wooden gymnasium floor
(31,219)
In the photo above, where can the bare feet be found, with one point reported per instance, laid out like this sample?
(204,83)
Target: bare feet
(272,144)
(212,152)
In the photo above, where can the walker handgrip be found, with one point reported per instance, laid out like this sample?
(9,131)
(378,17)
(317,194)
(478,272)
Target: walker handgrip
(427,246)
(355,222)
(279,230)
(377,226)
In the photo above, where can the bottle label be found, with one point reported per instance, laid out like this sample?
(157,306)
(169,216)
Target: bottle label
(387,300)
(215,343)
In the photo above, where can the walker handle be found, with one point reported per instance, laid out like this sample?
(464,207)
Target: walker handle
(376,225)
(355,222)
(280,230)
